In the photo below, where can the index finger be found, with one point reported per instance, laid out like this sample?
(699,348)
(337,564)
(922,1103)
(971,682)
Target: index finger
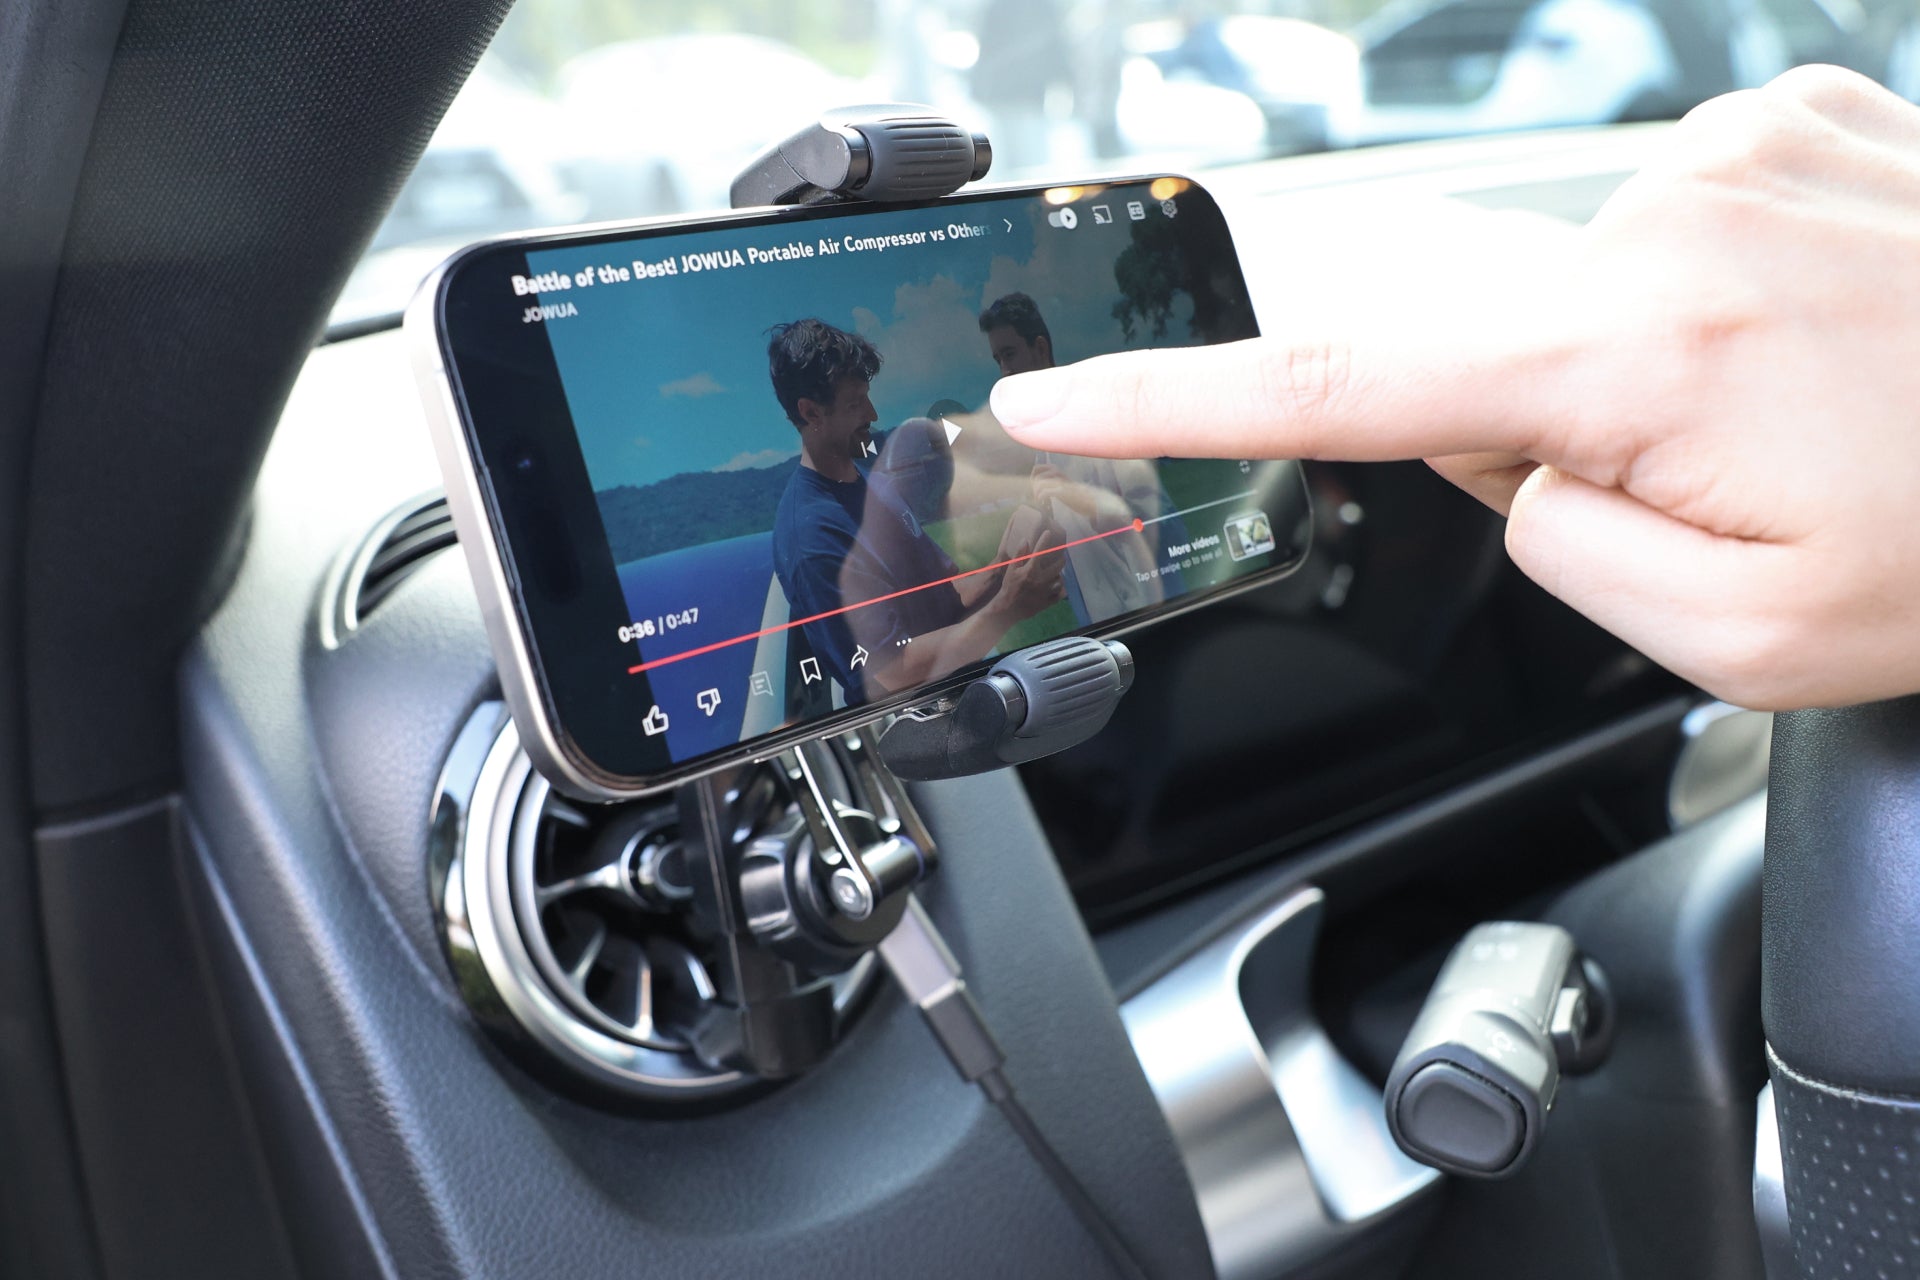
(1368,396)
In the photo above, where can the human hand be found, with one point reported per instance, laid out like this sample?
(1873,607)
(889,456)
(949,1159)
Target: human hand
(1050,482)
(1701,412)
(1035,580)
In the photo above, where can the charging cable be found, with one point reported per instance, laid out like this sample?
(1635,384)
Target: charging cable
(930,977)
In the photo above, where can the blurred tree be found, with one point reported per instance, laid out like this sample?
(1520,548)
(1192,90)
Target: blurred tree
(1158,265)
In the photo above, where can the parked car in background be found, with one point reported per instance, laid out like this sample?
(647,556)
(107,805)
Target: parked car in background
(1483,66)
(1163,120)
(1289,68)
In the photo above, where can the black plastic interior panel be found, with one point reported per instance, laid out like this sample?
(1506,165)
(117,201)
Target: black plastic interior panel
(1429,855)
(54,59)
(243,154)
(171,1165)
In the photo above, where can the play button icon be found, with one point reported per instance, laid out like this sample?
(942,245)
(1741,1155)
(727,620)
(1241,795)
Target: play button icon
(953,429)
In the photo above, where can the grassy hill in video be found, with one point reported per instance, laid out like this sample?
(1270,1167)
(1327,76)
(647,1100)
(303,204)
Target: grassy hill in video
(691,508)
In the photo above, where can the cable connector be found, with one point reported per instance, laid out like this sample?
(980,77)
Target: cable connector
(929,976)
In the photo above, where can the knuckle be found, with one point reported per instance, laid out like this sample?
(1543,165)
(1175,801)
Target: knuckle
(1737,110)
(1755,662)
(1731,138)
(1305,381)
(1826,89)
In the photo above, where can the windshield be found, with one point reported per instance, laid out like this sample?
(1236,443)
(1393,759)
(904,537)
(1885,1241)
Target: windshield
(593,110)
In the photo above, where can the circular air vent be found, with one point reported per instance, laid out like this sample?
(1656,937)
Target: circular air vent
(393,549)
(568,925)
(599,900)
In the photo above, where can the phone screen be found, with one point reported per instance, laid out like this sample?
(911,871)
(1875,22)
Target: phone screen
(746,483)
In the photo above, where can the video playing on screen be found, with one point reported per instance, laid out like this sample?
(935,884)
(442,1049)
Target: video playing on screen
(807,498)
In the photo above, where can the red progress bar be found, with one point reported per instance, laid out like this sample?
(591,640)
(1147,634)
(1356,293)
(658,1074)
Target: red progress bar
(1135,527)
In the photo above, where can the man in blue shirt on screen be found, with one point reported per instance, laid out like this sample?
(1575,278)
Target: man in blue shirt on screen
(884,607)
(1090,498)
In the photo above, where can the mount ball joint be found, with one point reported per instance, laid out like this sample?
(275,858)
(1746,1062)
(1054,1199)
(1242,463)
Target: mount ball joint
(1033,703)
(884,153)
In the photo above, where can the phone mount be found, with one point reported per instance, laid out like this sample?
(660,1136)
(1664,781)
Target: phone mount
(1033,702)
(810,895)
(802,866)
(884,153)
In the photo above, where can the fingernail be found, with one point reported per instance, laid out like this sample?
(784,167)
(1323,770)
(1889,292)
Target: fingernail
(1029,398)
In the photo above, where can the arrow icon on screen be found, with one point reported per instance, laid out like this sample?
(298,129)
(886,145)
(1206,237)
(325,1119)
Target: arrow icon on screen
(1009,222)
(953,429)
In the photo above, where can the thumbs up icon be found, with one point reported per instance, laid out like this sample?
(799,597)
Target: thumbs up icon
(655,723)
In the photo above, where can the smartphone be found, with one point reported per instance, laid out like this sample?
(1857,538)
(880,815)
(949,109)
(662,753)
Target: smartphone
(728,484)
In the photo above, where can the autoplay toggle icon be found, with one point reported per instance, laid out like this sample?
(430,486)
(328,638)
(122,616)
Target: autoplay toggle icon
(1066,219)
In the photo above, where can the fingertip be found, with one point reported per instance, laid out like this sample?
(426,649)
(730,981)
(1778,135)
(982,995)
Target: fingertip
(1029,399)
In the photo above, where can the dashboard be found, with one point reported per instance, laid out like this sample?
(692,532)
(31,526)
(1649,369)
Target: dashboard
(1308,793)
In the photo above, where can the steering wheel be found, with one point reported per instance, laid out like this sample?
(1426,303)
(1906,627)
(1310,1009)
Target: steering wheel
(1840,991)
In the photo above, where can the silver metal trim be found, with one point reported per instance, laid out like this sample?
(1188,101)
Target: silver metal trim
(1724,755)
(511,653)
(497,973)
(1286,1143)
(1770,1192)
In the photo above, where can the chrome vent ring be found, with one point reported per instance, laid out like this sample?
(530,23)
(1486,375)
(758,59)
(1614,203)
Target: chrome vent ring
(566,929)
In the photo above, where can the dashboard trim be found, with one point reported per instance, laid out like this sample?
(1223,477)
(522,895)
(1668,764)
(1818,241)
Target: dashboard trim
(1285,1141)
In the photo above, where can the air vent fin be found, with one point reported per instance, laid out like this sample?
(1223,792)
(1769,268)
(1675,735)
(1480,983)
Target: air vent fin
(408,544)
(400,543)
